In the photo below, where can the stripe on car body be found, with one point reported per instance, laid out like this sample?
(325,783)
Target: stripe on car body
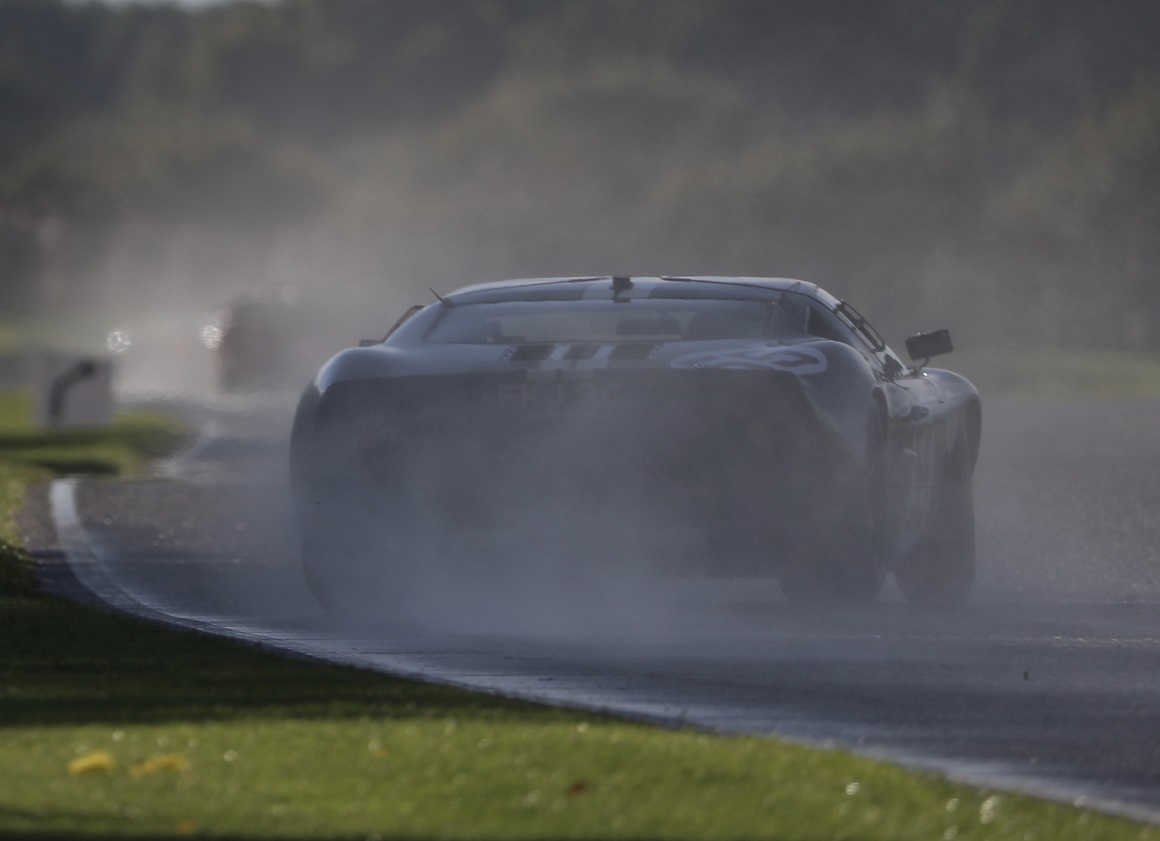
(797,360)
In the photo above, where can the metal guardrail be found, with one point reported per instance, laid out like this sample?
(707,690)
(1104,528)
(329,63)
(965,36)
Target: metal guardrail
(68,390)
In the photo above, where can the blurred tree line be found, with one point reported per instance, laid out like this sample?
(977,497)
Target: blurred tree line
(990,165)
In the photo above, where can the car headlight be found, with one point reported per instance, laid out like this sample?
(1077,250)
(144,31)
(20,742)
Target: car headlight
(211,335)
(118,341)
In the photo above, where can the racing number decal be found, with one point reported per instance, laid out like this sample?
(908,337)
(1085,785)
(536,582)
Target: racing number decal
(797,360)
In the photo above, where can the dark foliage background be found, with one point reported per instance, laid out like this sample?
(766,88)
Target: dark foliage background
(988,165)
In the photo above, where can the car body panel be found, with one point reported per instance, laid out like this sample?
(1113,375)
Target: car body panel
(734,408)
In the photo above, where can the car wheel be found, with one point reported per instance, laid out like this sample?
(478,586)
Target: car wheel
(345,560)
(843,578)
(844,567)
(940,570)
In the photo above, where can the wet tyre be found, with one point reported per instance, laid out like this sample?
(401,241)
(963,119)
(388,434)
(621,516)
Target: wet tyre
(843,566)
(347,562)
(940,570)
(841,578)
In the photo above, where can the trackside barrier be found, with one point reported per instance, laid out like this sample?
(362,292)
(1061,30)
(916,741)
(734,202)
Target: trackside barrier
(72,391)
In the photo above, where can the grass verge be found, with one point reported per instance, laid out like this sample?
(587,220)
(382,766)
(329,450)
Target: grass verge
(125,446)
(1061,374)
(16,572)
(113,727)
(28,454)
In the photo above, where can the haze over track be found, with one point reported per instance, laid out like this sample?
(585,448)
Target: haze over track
(1046,682)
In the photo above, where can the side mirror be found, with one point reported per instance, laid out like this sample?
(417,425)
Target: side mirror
(925,345)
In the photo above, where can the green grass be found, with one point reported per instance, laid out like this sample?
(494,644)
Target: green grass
(76,335)
(14,336)
(1062,374)
(16,573)
(28,454)
(125,446)
(201,735)
(110,726)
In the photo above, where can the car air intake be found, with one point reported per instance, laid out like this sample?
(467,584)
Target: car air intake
(579,352)
(531,353)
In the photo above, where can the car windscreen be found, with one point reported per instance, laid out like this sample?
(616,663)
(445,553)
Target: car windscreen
(636,320)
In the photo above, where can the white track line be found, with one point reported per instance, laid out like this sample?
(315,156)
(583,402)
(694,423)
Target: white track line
(91,572)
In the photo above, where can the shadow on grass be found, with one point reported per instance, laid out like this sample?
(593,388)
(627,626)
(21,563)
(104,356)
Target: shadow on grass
(107,451)
(71,466)
(62,663)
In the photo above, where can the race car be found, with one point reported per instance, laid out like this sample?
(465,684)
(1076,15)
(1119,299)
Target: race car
(275,338)
(762,413)
(262,343)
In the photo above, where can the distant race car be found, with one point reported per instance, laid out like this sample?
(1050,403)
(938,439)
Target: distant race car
(765,414)
(259,343)
(272,339)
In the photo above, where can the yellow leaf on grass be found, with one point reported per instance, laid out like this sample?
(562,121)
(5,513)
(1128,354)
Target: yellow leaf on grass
(186,827)
(157,764)
(95,762)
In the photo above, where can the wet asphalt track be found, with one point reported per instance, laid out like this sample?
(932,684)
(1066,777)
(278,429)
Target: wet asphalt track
(1048,681)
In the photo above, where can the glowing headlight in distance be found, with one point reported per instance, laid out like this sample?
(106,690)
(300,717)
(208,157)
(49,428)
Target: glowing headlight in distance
(211,335)
(118,341)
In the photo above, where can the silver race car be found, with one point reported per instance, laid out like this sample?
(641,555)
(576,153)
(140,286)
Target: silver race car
(763,414)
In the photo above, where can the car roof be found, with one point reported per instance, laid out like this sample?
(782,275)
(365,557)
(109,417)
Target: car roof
(577,288)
